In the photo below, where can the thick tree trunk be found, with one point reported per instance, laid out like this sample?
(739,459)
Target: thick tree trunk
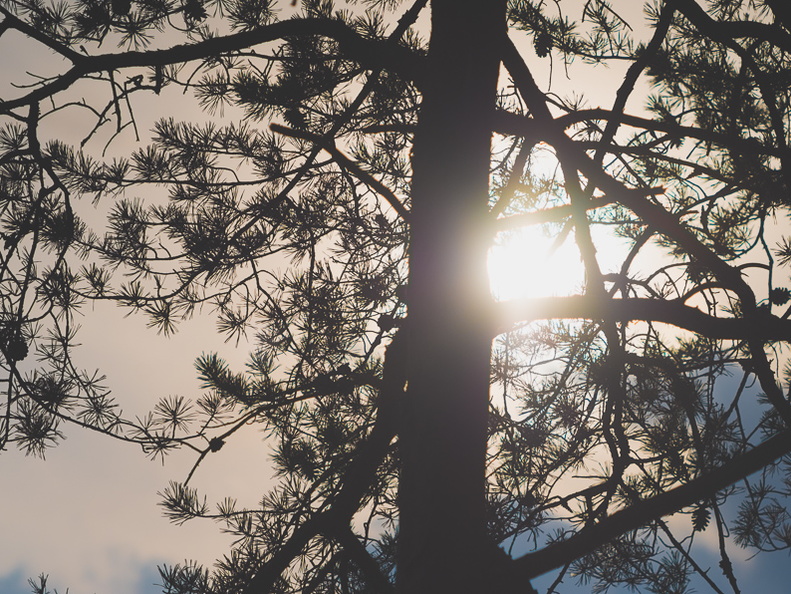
(442,535)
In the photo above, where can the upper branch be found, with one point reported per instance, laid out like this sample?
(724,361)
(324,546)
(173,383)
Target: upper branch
(12,22)
(373,53)
(723,30)
(666,222)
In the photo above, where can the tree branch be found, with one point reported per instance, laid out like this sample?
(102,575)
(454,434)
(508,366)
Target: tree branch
(372,53)
(345,162)
(557,214)
(360,556)
(640,514)
(665,222)
(765,327)
(12,22)
(335,519)
(738,29)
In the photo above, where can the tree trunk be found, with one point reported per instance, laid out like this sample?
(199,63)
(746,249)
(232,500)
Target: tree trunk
(442,534)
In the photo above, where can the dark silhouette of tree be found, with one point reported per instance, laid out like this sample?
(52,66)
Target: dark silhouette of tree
(334,205)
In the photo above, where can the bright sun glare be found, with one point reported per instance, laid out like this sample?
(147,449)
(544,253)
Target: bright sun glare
(537,261)
(529,262)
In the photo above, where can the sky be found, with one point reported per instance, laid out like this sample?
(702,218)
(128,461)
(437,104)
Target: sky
(87,515)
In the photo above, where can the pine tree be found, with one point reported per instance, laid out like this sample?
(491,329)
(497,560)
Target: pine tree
(334,204)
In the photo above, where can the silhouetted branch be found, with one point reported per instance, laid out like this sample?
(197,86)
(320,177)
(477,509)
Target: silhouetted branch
(667,224)
(357,478)
(369,52)
(764,326)
(557,214)
(362,558)
(344,161)
(12,22)
(736,29)
(640,514)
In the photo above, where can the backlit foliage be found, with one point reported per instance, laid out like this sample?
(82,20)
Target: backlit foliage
(273,193)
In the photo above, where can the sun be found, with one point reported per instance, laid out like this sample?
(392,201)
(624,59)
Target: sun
(535,261)
(544,261)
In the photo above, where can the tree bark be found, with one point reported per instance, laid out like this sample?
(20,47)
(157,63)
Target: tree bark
(442,533)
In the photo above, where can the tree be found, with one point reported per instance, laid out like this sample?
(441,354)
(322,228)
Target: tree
(429,437)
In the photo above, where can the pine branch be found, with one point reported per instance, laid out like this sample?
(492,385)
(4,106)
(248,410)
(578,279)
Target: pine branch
(345,162)
(740,29)
(765,327)
(665,222)
(373,53)
(640,514)
(336,518)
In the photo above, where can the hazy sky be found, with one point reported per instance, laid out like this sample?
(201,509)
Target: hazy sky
(88,514)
